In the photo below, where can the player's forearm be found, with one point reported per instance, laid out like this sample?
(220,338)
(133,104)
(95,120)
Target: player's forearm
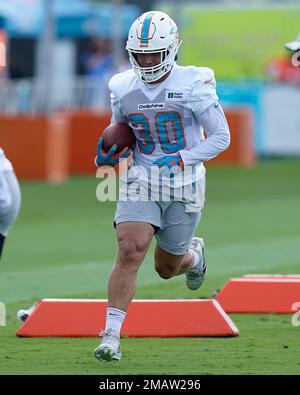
(218,137)
(207,149)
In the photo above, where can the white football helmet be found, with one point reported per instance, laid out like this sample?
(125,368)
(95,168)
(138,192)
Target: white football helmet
(153,31)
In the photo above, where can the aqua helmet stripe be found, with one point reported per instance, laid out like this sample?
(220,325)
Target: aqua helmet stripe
(145,31)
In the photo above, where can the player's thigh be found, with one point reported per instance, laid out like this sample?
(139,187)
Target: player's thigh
(178,228)
(147,212)
(10,200)
(136,222)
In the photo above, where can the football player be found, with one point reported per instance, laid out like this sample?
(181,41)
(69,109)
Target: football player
(10,197)
(168,106)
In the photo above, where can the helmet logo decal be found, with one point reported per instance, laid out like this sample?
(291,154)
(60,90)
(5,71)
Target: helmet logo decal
(145,31)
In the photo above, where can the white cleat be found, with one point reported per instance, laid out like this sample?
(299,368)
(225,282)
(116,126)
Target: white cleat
(109,348)
(195,275)
(23,314)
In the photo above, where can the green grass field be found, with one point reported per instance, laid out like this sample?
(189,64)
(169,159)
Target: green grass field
(236,43)
(63,245)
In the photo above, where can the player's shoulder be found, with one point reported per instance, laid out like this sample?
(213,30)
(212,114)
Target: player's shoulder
(121,83)
(192,74)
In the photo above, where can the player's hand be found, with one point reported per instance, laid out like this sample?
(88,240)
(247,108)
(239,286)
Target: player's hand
(110,158)
(169,165)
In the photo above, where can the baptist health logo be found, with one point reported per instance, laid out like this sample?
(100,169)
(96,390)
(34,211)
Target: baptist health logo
(296,59)
(296,316)
(2,314)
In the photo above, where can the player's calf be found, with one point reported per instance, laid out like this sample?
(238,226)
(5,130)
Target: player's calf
(165,273)
(167,265)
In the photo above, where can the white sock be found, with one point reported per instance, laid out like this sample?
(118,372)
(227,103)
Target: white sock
(196,258)
(114,319)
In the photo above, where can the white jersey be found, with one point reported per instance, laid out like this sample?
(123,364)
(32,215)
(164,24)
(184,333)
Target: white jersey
(5,164)
(166,117)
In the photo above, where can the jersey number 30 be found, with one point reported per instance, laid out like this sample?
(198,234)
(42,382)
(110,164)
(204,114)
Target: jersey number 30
(169,131)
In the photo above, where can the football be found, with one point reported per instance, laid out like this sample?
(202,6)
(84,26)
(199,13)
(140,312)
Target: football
(120,134)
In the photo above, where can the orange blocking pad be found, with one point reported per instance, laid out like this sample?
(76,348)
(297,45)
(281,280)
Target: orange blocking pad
(145,318)
(274,276)
(46,143)
(259,295)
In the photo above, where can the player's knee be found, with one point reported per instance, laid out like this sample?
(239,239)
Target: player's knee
(131,250)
